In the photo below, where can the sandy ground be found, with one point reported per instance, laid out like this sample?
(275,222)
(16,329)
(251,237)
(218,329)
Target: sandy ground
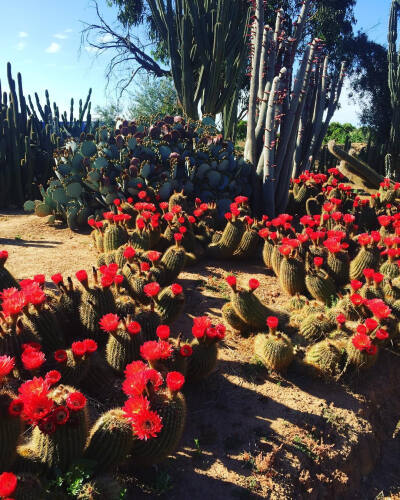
(249,434)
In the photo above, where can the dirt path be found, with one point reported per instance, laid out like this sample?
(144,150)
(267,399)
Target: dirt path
(249,434)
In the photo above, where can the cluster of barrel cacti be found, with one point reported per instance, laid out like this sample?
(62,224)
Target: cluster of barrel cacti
(339,263)
(106,338)
(28,138)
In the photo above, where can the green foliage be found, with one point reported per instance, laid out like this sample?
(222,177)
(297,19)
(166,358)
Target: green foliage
(241,130)
(154,97)
(72,481)
(108,113)
(340,132)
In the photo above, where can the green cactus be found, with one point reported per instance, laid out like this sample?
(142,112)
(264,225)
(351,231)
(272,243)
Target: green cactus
(292,275)
(248,246)
(315,326)
(122,348)
(361,360)
(367,258)
(100,488)
(274,350)
(110,440)
(267,254)
(172,410)
(324,357)
(276,259)
(11,428)
(74,370)
(66,444)
(115,235)
(232,319)
(7,280)
(339,265)
(202,361)
(169,306)
(228,242)
(45,324)
(321,286)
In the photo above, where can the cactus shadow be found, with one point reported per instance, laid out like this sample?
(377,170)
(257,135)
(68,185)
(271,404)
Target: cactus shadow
(20,242)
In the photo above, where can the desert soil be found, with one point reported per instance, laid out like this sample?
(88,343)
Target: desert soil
(249,434)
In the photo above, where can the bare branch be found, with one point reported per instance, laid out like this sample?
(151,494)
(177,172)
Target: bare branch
(129,57)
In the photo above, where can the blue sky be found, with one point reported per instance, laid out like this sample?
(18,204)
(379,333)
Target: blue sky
(42,39)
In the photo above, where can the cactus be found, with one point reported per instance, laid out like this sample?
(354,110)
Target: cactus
(324,357)
(274,350)
(110,440)
(122,348)
(64,446)
(100,488)
(45,324)
(169,305)
(114,236)
(202,361)
(248,246)
(367,258)
(390,269)
(361,360)
(229,240)
(267,254)
(7,280)
(11,428)
(315,326)
(321,286)
(172,410)
(232,319)
(276,259)
(292,276)
(171,263)
(296,303)
(339,265)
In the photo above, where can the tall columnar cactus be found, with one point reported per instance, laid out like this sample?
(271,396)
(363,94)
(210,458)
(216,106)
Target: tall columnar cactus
(394,84)
(291,110)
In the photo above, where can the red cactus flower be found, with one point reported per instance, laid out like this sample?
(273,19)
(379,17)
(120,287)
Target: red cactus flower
(76,401)
(164,205)
(3,256)
(142,195)
(32,360)
(151,289)
(186,350)
(82,276)
(153,255)
(362,329)
(231,280)
(118,279)
(356,284)
(376,236)
(341,319)
(57,278)
(361,341)
(253,284)
(129,252)
(178,237)
(146,424)
(381,334)
(153,350)
(109,322)
(60,415)
(78,348)
(107,280)
(135,404)
(39,279)
(47,425)
(228,216)
(369,273)
(378,308)
(162,332)
(133,327)
(378,278)
(16,407)
(176,289)
(175,381)
(285,250)
(144,267)
(7,364)
(318,261)
(371,324)
(14,305)
(117,202)
(200,326)
(385,220)
(272,322)
(364,239)
(176,209)
(60,356)
(357,300)
(8,484)
(52,377)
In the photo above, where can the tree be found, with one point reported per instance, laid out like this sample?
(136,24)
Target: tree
(369,82)
(108,114)
(154,96)
(206,43)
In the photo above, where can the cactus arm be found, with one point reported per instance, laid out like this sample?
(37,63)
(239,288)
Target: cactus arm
(257,34)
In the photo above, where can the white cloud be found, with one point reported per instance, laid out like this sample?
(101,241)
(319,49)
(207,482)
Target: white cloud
(106,38)
(20,45)
(22,34)
(60,36)
(53,48)
(91,50)
(68,30)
